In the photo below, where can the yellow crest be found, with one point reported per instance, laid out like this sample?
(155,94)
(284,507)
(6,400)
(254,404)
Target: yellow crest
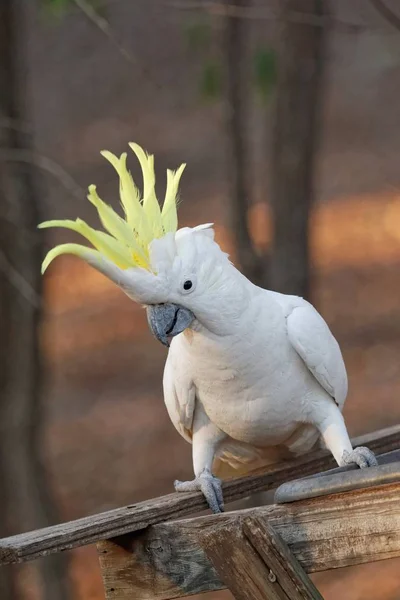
(127,242)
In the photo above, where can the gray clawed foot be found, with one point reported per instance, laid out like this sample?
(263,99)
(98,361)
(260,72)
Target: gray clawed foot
(361,456)
(209,485)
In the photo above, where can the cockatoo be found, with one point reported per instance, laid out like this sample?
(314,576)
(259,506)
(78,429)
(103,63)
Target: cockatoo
(250,372)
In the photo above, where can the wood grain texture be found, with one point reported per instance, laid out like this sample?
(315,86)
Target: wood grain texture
(132,518)
(281,562)
(239,566)
(167,561)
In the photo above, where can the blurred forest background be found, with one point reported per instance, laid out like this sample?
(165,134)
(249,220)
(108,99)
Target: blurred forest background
(288,115)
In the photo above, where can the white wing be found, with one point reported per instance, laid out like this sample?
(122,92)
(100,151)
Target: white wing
(312,339)
(179,396)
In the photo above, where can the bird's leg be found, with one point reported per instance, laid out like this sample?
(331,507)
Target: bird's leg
(329,420)
(206,439)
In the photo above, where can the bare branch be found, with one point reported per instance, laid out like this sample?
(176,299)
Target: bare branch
(15,124)
(103,25)
(46,164)
(386,13)
(218,9)
(19,282)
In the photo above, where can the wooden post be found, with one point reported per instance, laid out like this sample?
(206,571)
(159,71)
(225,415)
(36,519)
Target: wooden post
(239,566)
(254,562)
(285,570)
(168,560)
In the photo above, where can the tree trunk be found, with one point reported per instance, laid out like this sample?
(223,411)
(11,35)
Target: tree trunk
(24,498)
(300,65)
(236,123)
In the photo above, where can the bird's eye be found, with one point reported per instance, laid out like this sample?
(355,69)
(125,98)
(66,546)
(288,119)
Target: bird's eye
(187,285)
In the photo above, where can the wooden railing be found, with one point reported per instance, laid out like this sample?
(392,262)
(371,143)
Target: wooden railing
(146,552)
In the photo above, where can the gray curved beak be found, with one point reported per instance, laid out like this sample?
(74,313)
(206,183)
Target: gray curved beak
(168,320)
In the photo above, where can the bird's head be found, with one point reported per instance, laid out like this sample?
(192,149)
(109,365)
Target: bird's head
(175,273)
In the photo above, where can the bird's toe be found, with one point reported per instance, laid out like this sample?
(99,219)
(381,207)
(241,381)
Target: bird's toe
(210,487)
(361,456)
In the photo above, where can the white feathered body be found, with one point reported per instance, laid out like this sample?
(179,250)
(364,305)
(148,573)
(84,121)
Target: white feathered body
(263,383)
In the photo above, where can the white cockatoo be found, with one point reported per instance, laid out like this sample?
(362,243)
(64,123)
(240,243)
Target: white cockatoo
(249,371)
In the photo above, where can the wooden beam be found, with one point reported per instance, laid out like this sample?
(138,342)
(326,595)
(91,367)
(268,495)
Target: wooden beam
(284,569)
(254,563)
(239,566)
(166,561)
(28,546)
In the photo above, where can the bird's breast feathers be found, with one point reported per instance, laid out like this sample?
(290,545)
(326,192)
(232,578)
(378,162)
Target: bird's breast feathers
(265,378)
(255,388)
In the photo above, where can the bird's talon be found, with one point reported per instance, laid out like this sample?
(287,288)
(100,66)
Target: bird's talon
(361,456)
(209,485)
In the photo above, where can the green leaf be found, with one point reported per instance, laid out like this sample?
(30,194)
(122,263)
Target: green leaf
(210,83)
(265,72)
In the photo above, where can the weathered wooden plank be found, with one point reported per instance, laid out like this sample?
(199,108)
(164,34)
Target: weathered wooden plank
(239,566)
(166,561)
(283,566)
(91,529)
